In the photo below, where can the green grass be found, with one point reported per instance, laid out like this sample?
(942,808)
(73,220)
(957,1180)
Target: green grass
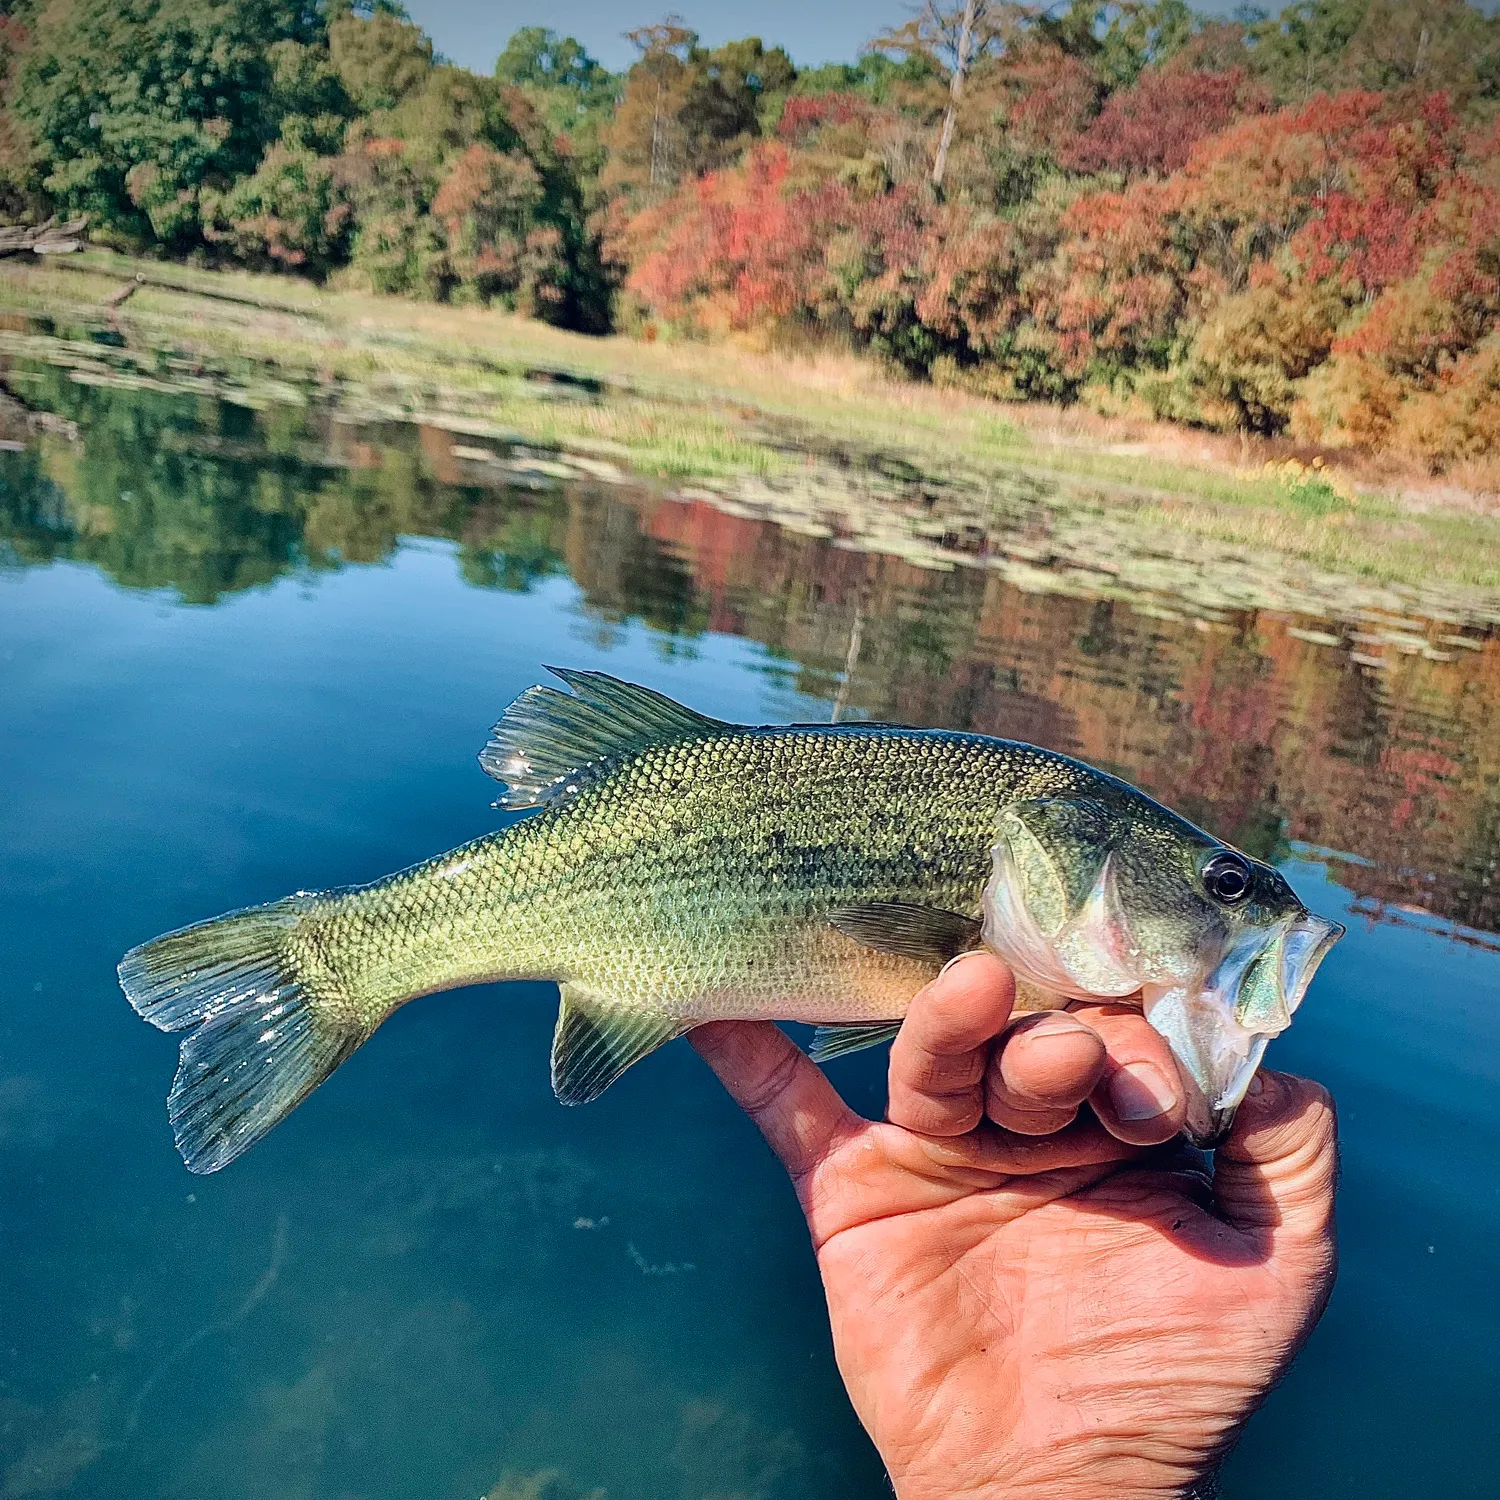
(723,416)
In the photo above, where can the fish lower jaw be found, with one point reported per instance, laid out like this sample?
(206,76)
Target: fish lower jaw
(1216,1056)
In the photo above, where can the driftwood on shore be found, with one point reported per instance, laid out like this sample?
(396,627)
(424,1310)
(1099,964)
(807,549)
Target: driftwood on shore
(50,238)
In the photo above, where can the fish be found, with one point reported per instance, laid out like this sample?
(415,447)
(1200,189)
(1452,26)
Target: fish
(673,869)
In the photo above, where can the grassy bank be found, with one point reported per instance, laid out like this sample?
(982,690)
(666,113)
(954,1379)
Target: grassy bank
(726,418)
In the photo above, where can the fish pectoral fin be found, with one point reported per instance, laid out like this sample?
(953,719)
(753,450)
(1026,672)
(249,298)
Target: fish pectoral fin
(547,740)
(839,1041)
(597,1038)
(910,930)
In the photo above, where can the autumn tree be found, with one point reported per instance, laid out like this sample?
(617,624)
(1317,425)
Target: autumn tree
(648,149)
(19,185)
(685,109)
(950,39)
(1152,126)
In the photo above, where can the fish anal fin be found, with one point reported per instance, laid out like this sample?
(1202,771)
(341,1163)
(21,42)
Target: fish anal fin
(840,1041)
(597,1038)
(907,929)
(548,740)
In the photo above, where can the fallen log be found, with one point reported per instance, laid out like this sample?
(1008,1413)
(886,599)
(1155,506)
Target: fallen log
(50,238)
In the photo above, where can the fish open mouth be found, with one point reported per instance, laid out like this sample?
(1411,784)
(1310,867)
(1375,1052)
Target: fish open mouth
(1218,1029)
(1216,1018)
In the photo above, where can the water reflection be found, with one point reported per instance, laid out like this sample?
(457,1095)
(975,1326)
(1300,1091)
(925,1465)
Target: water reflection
(1379,738)
(431,1281)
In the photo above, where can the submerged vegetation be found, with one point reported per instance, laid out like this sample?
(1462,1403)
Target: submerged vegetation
(1284,225)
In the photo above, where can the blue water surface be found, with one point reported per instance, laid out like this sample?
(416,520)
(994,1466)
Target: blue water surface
(432,1281)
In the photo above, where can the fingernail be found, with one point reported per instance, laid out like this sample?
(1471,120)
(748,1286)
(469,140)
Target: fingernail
(1055,1025)
(1138,1091)
(1256,1085)
(958,958)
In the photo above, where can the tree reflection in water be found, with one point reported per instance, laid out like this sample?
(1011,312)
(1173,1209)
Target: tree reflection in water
(1270,728)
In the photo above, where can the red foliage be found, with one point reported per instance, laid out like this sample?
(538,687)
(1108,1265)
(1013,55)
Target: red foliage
(1056,95)
(1370,227)
(1153,127)
(1335,265)
(804,114)
(750,247)
(486,206)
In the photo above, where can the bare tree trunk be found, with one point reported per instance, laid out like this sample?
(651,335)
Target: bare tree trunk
(965,41)
(656,142)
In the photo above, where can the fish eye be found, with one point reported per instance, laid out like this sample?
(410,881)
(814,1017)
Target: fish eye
(1227,876)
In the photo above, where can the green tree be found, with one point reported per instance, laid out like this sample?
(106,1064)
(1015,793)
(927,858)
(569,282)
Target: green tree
(1140,36)
(876,76)
(133,108)
(538,58)
(289,215)
(1424,44)
(571,91)
(1304,50)
(380,58)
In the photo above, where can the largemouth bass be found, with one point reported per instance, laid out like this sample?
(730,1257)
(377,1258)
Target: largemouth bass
(678,869)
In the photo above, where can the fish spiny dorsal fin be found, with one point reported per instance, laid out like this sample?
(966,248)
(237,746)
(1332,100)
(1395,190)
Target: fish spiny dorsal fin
(548,741)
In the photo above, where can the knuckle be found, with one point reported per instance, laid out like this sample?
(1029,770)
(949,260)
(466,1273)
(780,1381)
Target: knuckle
(766,1090)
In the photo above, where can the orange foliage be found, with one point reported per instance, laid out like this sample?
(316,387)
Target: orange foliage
(1333,266)
(486,205)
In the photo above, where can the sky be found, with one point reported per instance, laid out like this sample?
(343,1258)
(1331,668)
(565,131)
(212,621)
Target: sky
(472,32)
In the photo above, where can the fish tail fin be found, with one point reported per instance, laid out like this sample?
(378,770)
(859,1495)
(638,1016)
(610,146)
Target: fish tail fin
(261,1041)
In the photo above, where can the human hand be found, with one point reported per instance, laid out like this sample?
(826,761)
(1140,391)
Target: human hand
(1026,1298)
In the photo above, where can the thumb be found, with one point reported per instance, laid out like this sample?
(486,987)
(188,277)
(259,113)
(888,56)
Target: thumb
(1274,1178)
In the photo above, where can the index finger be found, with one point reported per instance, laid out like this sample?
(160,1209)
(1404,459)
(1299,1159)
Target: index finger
(940,1054)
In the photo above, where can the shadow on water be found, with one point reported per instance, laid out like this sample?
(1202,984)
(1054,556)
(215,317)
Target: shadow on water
(1375,742)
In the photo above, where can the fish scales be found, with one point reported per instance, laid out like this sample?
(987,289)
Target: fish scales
(696,878)
(676,869)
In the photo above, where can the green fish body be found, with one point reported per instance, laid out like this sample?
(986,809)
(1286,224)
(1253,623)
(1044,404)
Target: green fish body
(676,870)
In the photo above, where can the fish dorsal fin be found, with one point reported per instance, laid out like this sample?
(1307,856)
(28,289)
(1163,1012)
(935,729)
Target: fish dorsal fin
(840,1041)
(910,930)
(597,1039)
(548,741)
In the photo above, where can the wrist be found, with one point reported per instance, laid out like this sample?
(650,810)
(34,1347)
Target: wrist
(1058,1475)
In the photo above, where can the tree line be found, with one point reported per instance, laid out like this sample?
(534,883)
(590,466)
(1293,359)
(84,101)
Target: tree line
(1284,224)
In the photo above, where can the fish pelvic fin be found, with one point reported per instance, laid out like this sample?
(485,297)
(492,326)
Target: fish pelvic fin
(259,1043)
(839,1041)
(597,1038)
(548,743)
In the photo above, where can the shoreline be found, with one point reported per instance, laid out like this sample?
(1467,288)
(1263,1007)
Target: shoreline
(800,433)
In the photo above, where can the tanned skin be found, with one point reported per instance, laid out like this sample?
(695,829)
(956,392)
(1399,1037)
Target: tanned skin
(1032,1299)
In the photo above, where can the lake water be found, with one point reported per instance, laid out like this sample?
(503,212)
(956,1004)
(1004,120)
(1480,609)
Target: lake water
(244,653)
